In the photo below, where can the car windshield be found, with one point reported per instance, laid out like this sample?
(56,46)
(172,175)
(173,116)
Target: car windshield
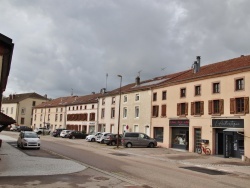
(30,135)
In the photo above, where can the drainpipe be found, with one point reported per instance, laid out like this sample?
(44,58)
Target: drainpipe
(97,115)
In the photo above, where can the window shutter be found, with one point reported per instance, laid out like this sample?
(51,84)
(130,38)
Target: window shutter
(178,109)
(192,108)
(186,108)
(163,110)
(246,105)
(202,107)
(210,107)
(221,106)
(232,105)
(157,111)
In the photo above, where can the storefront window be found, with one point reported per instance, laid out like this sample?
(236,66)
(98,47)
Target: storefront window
(179,136)
(158,134)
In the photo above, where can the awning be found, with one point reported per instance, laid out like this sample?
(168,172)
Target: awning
(234,130)
(5,121)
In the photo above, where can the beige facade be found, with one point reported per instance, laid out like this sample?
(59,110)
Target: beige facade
(136,112)
(201,125)
(50,117)
(20,107)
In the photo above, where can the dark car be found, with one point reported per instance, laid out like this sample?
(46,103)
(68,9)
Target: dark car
(112,139)
(24,128)
(57,132)
(77,134)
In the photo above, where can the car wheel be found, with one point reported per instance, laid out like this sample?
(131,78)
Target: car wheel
(102,141)
(151,145)
(17,144)
(22,146)
(129,145)
(93,139)
(113,143)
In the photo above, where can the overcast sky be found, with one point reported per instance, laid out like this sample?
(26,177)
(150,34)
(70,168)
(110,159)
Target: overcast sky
(65,45)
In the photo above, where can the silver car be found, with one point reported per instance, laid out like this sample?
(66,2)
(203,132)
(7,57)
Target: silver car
(131,139)
(28,139)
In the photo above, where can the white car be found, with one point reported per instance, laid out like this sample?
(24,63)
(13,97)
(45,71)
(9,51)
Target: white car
(102,137)
(92,137)
(28,139)
(42,130)
(64,133)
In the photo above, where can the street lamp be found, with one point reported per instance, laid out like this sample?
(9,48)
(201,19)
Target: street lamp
(119,111)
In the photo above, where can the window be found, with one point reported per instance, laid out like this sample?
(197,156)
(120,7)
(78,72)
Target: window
(80,107)
(103,101)
(41,117)
(69,108)
(158,134)
(7,110)
(61,117)
(49,110)
(56,117)
(197,90)
(22,121)
(125,111)
(137,110)
(112,112)
(57,109)
(35,118)
(113,100)
(103,113)
(33,103)
(85,107)
(182,109)
(61,109)
(85,117)
(239,84)
(183,92)
(48,117)
(197,108)
(164,95)
(22,111)
(93,106)
(239,105)
(163,110)
(92,116)
(11,110)
(154,96)
(216,87)
(137,97)
(125,98)
(216,106)
(155,111)
(136,128)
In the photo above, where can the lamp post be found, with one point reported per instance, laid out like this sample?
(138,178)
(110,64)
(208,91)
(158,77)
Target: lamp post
(118,130)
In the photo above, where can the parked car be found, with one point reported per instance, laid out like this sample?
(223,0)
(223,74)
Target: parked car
(24,128)
(42,130)
(28,139)
(14,128)
(112,139)
(77,134)
(64,133)
(100,138)
(57,132)
(92,137)
(131,139)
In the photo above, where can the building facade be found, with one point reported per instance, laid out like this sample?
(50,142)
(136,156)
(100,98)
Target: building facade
(20,107)
(209,104)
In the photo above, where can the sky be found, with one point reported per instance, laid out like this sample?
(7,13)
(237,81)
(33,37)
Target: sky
(64,46)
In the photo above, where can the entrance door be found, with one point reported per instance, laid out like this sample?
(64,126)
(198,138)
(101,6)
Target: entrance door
(197,138)
(219,142)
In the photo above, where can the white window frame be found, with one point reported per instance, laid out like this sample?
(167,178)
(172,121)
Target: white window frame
(137,111)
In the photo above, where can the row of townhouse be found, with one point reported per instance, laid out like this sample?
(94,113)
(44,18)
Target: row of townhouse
(209,103)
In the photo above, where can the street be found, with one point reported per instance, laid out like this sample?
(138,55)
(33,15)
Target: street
(148,167)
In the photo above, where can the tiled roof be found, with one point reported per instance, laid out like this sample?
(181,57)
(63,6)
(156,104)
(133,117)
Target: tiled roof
(70,100)
(225,67)
(15,98)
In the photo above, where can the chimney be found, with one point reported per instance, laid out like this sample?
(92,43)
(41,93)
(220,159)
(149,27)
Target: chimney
(198,63)
(195,65)
(137,81)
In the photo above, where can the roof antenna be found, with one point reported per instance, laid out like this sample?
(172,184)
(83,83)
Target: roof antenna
(106,81)
(139,73)
(71,92)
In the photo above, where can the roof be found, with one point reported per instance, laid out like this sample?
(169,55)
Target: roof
(230,66)
(15,98)
(70,100)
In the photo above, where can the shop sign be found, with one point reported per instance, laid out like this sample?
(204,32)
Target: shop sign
(228,123)
(179,123)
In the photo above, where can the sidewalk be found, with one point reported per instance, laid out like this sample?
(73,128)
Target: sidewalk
(15,163)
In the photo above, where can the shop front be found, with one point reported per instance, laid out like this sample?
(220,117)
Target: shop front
(229,137)
(180,133)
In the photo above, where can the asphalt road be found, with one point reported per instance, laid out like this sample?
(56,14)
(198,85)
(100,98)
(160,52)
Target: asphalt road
(145,166)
